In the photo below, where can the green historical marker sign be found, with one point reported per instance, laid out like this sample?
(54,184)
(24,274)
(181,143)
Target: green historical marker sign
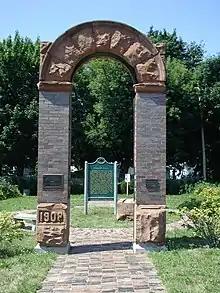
(100,182)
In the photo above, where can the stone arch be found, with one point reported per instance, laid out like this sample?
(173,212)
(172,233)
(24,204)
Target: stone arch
(58,62)
(60,58)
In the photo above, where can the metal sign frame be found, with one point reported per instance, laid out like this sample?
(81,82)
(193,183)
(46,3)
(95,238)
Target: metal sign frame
(87,171)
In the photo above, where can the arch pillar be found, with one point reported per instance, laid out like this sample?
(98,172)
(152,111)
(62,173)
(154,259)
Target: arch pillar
(54,159)
(150,166)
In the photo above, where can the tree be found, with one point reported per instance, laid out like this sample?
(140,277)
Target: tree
(104,109)
(19,67)
(175,48)
(207,81)
(102,100)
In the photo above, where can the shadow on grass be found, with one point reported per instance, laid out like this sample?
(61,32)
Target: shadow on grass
(185,242)
(100,247)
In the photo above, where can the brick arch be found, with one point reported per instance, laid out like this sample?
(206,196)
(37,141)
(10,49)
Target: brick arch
(60,58)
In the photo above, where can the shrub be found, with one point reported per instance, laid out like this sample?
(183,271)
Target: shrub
(173,186)
(9,230)
(7,190)
(180,186)
(24,182)
(123,187)
(77,186)
(205,215)
(196,187)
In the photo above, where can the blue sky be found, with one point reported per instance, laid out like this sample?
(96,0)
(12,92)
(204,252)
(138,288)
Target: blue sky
(194,20)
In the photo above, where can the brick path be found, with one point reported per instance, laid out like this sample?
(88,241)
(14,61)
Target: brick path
(101,260)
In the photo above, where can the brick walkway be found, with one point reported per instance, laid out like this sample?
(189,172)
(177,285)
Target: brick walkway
(101,260)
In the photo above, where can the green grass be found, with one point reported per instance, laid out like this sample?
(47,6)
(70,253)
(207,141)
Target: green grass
(173,201)
(172,217)
(30,202)
(189,266)
(98,217)
(22,270)
(18,203)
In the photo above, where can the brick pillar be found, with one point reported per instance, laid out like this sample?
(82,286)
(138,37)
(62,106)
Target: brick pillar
(54,155)
(150,165)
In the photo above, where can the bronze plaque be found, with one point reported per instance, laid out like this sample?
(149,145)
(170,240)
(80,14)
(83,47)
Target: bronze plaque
(153,185)
(52,181)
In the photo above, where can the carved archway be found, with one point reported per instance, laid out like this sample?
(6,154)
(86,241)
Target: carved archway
(60,58)
(58,62)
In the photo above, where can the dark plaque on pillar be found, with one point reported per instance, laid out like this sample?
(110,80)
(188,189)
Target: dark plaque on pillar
(153,185)
(52,181)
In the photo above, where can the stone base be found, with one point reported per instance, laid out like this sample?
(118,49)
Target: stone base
(150,224)
(55,249)
(125,209)
(147,247)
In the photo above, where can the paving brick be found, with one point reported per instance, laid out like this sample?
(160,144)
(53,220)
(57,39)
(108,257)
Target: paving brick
(113,271)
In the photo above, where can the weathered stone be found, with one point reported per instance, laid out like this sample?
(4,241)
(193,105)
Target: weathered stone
(52,224)
(105,37)
(150,224)
(125,209)
(148,70)
(150,87)
(44,46)
(59,69)
(136,52)
(161,49)
(55,86)
(120,42)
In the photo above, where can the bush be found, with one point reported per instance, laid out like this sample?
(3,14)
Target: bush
(173,186)
(77,185)
(24,182)
(123,187)
(7,190)
(9,230)
(197,187)
(205,215)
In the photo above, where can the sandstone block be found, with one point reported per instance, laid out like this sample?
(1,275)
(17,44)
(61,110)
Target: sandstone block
(150,224)
(125,209)
(52,224)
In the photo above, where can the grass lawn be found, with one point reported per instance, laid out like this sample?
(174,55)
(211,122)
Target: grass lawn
(172,217)
(30,202)
(100,217)
(173,201)
(21,270)
(188,266)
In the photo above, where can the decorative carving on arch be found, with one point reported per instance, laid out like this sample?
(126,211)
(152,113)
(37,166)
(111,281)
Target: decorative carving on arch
(44,47)
(59,59)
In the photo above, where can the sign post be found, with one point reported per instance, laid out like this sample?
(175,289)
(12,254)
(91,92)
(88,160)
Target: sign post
(100,182)
(127,180)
